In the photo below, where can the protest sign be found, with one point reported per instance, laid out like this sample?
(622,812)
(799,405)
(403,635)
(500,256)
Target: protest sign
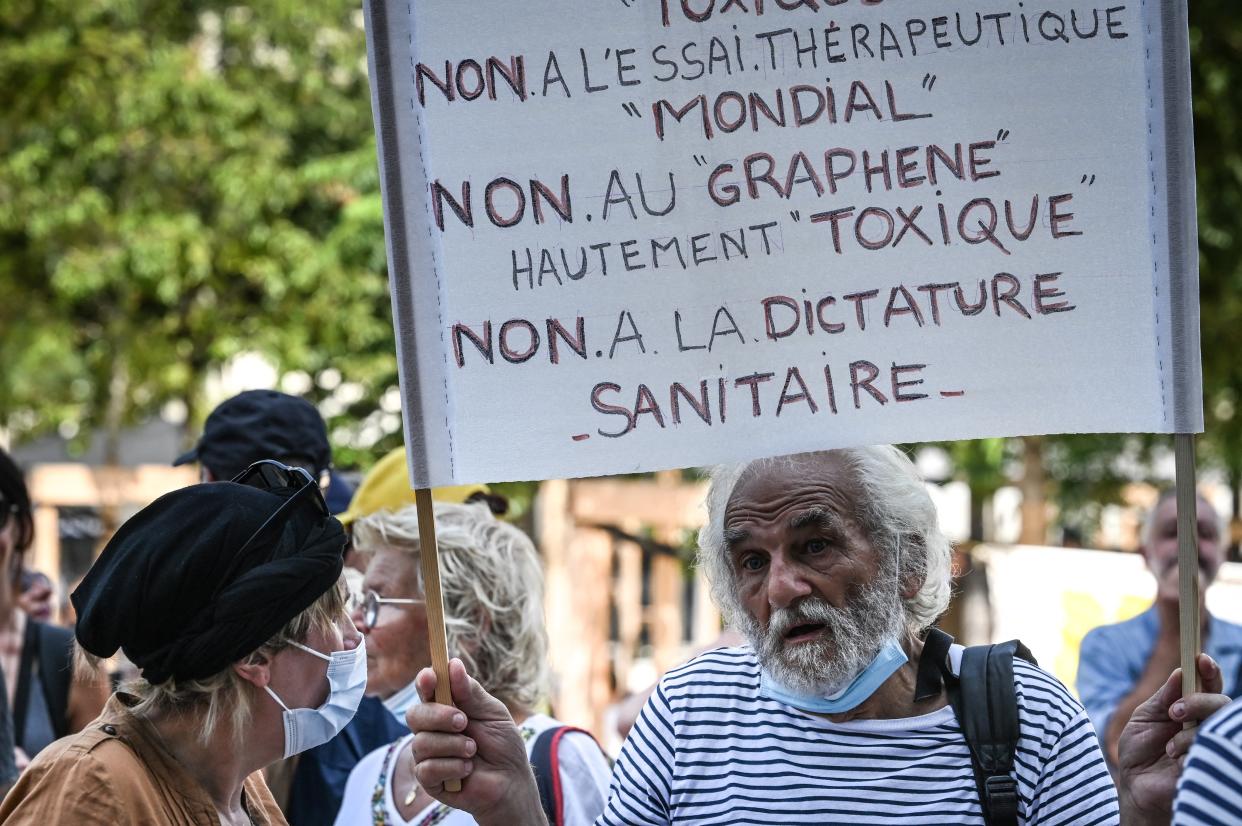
(640,234)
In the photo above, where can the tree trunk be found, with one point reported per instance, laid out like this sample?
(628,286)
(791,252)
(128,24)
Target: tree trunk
(194,397)
(1235,504)
(1034,492)
(977,500)
(114,415)
(114,421)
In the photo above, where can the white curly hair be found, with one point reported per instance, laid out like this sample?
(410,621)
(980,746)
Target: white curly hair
(492,582)
(893,508)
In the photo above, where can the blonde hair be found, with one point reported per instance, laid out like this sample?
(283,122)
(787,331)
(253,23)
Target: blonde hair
(492,585)
(224,698)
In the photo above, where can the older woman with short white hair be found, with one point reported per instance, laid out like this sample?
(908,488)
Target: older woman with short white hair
(493,604)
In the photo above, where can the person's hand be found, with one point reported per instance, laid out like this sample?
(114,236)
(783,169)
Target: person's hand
(20,758)
(1154,743)
(476,743)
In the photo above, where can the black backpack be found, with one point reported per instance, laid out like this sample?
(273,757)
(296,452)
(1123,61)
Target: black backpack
(986,707)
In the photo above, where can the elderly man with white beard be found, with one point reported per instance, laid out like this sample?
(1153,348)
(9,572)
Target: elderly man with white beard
(834,568)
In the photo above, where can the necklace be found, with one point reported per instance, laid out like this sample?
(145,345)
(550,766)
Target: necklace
(379,808)
(413,793)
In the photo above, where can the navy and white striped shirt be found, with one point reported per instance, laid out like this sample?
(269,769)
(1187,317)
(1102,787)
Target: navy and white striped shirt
(1210,791)
(707,749)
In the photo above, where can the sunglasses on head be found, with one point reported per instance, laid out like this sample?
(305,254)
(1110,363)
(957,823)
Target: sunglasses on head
(268,474)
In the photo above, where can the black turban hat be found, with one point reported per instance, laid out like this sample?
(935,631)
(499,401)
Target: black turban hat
(183,594)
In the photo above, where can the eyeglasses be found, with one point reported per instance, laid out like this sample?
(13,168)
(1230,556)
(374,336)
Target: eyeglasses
(372,602)
(268,474)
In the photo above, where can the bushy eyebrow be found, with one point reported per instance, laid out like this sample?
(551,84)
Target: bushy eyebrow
(734,537)
(819,518)
(815,517)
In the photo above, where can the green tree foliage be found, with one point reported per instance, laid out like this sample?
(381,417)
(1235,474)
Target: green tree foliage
(1216,42)
(181,182)
(983,464)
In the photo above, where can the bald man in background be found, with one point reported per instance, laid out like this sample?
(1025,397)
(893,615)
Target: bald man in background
(1120,666)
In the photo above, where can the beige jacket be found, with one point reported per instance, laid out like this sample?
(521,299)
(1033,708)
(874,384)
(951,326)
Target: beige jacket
(117,772)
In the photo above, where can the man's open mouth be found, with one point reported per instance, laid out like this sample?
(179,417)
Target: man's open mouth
(805,631)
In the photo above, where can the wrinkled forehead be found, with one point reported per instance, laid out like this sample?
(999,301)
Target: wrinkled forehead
(392,569)
(765,489)
(1166,514)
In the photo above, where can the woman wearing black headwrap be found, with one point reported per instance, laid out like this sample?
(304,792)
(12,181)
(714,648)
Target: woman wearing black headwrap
(226,597)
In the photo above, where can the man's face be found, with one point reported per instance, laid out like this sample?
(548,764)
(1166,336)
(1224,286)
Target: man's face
(1161,549)
(816,598)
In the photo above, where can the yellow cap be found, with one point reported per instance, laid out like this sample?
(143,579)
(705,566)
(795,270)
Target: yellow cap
(387,487)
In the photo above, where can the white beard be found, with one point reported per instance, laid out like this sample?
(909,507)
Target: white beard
(851,639)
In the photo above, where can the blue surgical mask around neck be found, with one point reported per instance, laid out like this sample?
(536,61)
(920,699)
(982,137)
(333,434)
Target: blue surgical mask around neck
(890,658)
(402,701)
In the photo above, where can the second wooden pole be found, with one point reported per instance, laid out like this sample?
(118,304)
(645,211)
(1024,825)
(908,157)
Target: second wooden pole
(1189,619)
(429,561)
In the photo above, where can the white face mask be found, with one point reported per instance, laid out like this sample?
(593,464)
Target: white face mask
(401,702)
(306,728)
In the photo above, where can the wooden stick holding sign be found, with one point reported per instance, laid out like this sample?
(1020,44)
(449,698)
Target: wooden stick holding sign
(1189,619)
(429,561)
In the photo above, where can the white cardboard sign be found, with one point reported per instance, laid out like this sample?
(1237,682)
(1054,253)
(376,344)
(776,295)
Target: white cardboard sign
(634,234)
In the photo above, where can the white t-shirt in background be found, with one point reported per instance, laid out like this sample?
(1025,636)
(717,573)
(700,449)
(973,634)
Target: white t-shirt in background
(584,770)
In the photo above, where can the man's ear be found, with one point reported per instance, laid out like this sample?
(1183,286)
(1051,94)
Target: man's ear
(255,669)
(909,583)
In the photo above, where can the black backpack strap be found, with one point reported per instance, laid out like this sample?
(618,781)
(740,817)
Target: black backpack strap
(986,706)
(545,761)
(934,669)
(56,673)
(8,762)
(25,676)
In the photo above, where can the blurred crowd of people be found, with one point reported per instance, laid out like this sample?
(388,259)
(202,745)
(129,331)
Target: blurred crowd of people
(254,649)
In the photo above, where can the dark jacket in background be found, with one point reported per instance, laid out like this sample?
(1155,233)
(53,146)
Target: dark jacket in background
(319,781)
(8,762)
